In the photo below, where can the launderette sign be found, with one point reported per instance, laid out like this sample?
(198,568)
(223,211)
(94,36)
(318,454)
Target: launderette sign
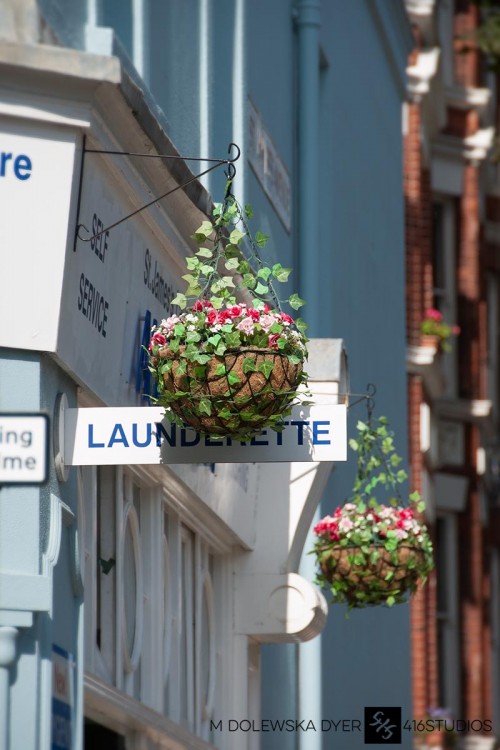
(141,435)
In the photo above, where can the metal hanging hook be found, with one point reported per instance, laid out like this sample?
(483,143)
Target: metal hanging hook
(371,390)
(231,172)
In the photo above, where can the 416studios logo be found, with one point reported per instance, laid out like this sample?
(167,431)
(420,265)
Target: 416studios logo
(382,726)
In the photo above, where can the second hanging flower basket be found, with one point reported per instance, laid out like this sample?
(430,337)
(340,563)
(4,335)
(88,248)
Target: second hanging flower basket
(223,367)
(370,553)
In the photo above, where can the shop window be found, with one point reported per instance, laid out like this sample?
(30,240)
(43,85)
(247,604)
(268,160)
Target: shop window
(448,612)
(150,625)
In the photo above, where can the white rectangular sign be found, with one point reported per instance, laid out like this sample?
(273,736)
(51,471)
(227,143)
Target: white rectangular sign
(23,448)
(141,435)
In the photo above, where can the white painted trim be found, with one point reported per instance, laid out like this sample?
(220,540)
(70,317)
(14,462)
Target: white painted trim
(116,710)
(131,657)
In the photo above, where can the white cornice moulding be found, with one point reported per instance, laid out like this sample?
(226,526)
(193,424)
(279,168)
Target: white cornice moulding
(467,97)
(478,145)
(465,410)
(421,74)
(420,8)
(475,147)
(278,608)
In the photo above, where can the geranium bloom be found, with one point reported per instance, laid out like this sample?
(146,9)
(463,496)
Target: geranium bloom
(273,341)
(434,314)
(157,340)
(266,322)
(246,325)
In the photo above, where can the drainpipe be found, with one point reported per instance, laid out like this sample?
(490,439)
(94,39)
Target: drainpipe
(308,25)
(307,20)
(7,657)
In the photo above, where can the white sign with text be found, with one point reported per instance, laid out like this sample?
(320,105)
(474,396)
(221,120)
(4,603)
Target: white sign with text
(24,448)
(141,435)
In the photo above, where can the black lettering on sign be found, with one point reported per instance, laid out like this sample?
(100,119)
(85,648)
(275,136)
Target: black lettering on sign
(92,305)
(155,282)
(99,245)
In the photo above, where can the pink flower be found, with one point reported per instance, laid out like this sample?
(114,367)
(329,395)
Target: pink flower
(246,325)
(345,524)
(267,321)
(434,314)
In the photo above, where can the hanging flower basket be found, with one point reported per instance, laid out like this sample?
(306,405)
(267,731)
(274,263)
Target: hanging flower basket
(223,367)
(370,553)
(241,391)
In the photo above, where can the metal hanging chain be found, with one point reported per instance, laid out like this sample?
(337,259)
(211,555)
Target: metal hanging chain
(215,164)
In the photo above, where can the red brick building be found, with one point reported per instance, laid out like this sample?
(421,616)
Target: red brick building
(452,193)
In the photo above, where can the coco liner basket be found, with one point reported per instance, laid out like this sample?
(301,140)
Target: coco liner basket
(370,577)
(240,392)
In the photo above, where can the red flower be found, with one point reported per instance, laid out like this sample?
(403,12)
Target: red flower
(234,311)
(273,341)
(201,304)
(253,313)
(157,340)
(286,318)
(212,317)
(434,314)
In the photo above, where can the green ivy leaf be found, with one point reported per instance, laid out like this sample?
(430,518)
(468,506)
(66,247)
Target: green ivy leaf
(264,273)
(261,239)
(204,231)
(205,406)
(220,369)
(249,280)
(204,252)
(248,211)
(266,368)
(300,325)
(280,273)
(232,263)
(261,289)
(192,337)
(236,236)
(233,378)
(180,300)
(295,301)
(249,365)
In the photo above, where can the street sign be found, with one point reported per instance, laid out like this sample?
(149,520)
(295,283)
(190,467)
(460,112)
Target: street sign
(141,435)
(24,440)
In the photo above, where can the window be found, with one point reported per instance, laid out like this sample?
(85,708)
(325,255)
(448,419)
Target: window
(150,624)
(448,613)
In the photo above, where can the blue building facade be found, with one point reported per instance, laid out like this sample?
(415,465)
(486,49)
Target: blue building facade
(312,93)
